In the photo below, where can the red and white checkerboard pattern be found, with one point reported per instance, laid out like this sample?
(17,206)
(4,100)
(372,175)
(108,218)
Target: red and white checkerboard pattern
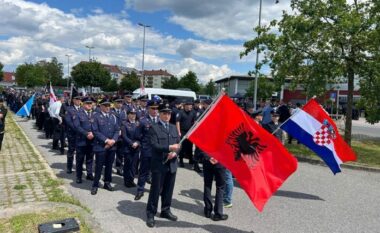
(322,137)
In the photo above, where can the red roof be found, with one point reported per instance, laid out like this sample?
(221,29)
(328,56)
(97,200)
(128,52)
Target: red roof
(9,77)
(112,69)
(156,72)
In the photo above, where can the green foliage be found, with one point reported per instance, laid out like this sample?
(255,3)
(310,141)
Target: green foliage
(210,88)
(111,86)
(91,74)
(321,42)
(265,88)
(130,82)
(190,81)
(31,75)
(171,83)
(1,71)
(54,72)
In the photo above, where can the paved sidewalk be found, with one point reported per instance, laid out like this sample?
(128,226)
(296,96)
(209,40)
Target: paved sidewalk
(311,200)
(22,172)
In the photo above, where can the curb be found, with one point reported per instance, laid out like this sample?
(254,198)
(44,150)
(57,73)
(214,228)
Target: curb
(24,208)
(301,158)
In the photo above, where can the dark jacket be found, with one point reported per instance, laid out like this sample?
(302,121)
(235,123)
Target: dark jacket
(160,139)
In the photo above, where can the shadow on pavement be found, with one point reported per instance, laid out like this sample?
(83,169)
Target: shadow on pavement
(192,193)
(196,208)
(132,208)
(208,227)
(297,195)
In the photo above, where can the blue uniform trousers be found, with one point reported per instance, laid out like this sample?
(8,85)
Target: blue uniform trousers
(106,159)
(130,160)
(84,152)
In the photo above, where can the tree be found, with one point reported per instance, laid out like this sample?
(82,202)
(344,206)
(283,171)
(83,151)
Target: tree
(31,75)
(265,88)
(54,72)
(112,86)
(323,42)
(171,83)
(190,81)
(210,88)
(130,82)
(1,71)
(91,74)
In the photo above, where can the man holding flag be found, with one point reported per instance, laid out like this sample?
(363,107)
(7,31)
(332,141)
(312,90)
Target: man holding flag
(260,163)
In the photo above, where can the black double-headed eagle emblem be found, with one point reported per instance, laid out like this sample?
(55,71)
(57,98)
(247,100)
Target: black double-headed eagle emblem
(245,145)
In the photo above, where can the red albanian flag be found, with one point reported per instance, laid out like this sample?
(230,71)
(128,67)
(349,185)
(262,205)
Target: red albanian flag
(256,158)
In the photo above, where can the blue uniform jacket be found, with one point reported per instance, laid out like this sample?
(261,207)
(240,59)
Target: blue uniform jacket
(131,132)
(122,116)
(146,147)
(82,125)
(104,129)
(71,111)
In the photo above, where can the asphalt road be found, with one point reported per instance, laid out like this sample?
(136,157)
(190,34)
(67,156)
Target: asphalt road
(312,200)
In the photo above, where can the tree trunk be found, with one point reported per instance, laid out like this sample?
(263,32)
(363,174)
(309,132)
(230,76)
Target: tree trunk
(350,97)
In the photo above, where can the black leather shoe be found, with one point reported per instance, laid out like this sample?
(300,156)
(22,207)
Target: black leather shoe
(218,217)
(78,180)
(181,164)
(108,187)
(149,181)
(207,213)
(130,184)
(197,168)
(62,152)
(139,195)
(90,177)
(150,222)
(119,172)
(168,215)
(94,190)
(69,171)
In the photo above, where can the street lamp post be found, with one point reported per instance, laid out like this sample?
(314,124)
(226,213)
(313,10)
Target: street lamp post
(143,55)
(257,58)
(68,69)
(89,51)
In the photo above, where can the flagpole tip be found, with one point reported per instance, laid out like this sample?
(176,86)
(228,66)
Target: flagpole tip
(314,97)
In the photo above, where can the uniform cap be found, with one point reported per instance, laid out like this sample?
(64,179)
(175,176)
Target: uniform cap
(131,111)
(164,108)
(118,99)
(257,113)
(104,101)
(87,100)
(152,103)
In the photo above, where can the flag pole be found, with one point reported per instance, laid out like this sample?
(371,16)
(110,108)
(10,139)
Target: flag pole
(221,93)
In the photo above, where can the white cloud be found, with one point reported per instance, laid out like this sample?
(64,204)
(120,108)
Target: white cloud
(216,19)
(37,31)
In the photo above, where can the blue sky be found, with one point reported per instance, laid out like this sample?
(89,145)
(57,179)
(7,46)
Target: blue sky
(202,36)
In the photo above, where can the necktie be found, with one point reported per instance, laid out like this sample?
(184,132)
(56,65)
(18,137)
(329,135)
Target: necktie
(166,126)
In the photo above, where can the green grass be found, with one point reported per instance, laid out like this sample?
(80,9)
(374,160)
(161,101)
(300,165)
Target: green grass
(28,223)
(368,152)
(19,187)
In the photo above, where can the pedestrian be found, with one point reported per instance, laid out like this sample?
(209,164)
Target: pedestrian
(121,116)
(273,126)
(131,136)
(71,113)
(84,140)
(106,131)
(3,114)
(185,120)
(146,148)
(164,140)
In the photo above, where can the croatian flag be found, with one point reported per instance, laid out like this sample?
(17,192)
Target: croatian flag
(313,127)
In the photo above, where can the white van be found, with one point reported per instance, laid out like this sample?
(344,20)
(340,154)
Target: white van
(169,94)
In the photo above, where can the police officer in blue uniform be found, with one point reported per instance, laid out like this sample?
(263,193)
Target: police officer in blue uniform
(142,110)
(146,147)
(121,116)
(164,139)
(128,105)
(106,131)
(82,122)
(131,135)
(71,132)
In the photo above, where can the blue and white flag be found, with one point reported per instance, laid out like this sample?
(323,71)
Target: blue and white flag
(25,110)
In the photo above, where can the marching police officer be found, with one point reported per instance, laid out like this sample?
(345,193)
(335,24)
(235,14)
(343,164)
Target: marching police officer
(71,132)
(106,131)
(131,135)
(146,148)
(121,116)
(84,139)
(164,139)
